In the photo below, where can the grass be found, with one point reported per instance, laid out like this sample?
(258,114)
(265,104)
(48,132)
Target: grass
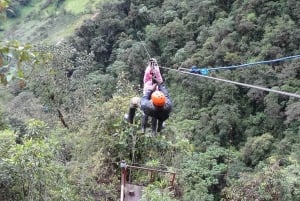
(5,96)
(76,6)
(64,28)
(50,24)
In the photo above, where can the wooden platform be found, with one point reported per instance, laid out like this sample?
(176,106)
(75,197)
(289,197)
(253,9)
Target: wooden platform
(130,192)
(137,192)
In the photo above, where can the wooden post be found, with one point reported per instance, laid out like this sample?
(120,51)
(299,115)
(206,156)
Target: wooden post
(123,179)
(173,179)
(151,176)
(134,193)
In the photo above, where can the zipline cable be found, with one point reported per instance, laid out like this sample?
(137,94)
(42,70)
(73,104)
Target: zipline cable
(186,71)
(257,63)
(144,47)
(205,71)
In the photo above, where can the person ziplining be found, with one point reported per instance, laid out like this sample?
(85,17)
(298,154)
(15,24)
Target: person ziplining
(155,101)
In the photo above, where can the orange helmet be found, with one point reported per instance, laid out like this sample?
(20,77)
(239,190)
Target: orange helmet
(158,98)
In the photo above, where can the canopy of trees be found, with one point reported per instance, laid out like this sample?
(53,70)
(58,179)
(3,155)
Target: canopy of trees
(62,132)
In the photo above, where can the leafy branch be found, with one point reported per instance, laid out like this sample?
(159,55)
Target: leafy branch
(15,57)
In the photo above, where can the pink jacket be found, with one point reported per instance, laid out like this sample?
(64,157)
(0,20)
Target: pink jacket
(149,72)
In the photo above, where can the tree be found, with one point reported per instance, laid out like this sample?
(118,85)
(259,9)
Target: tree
(14,55)
(272,182)
(203,173)
(59,83)
(7,182)
(156,193)
(15,58)
(273,110)
(3,121)
(29,171)
(257,149)
(292,113)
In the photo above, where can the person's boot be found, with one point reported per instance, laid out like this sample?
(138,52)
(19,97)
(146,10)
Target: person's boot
(130,115)
(160,126)
(134,103)
(154,126)
(144,122)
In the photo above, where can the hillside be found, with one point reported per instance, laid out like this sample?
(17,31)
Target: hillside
(49,21)
(62,117)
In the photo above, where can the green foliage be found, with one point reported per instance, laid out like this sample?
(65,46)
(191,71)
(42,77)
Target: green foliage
(62,83)
(202,173)
(292,113)
(7,142)
(270,183)
(15,58)
(36,129)
(33,172)
(92,76)
(76,7)
(7,181)
(3,121)
(257,149)
(273,110)
(154,192)
(3,5)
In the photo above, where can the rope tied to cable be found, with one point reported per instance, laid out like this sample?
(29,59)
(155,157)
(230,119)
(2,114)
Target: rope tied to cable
(205,71)
(199,73)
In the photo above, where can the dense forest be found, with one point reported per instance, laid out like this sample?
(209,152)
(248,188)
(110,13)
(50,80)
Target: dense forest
(62,131)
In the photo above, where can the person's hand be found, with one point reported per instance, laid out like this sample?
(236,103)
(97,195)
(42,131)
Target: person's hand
(154,86)
(157,81)
(153,62)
